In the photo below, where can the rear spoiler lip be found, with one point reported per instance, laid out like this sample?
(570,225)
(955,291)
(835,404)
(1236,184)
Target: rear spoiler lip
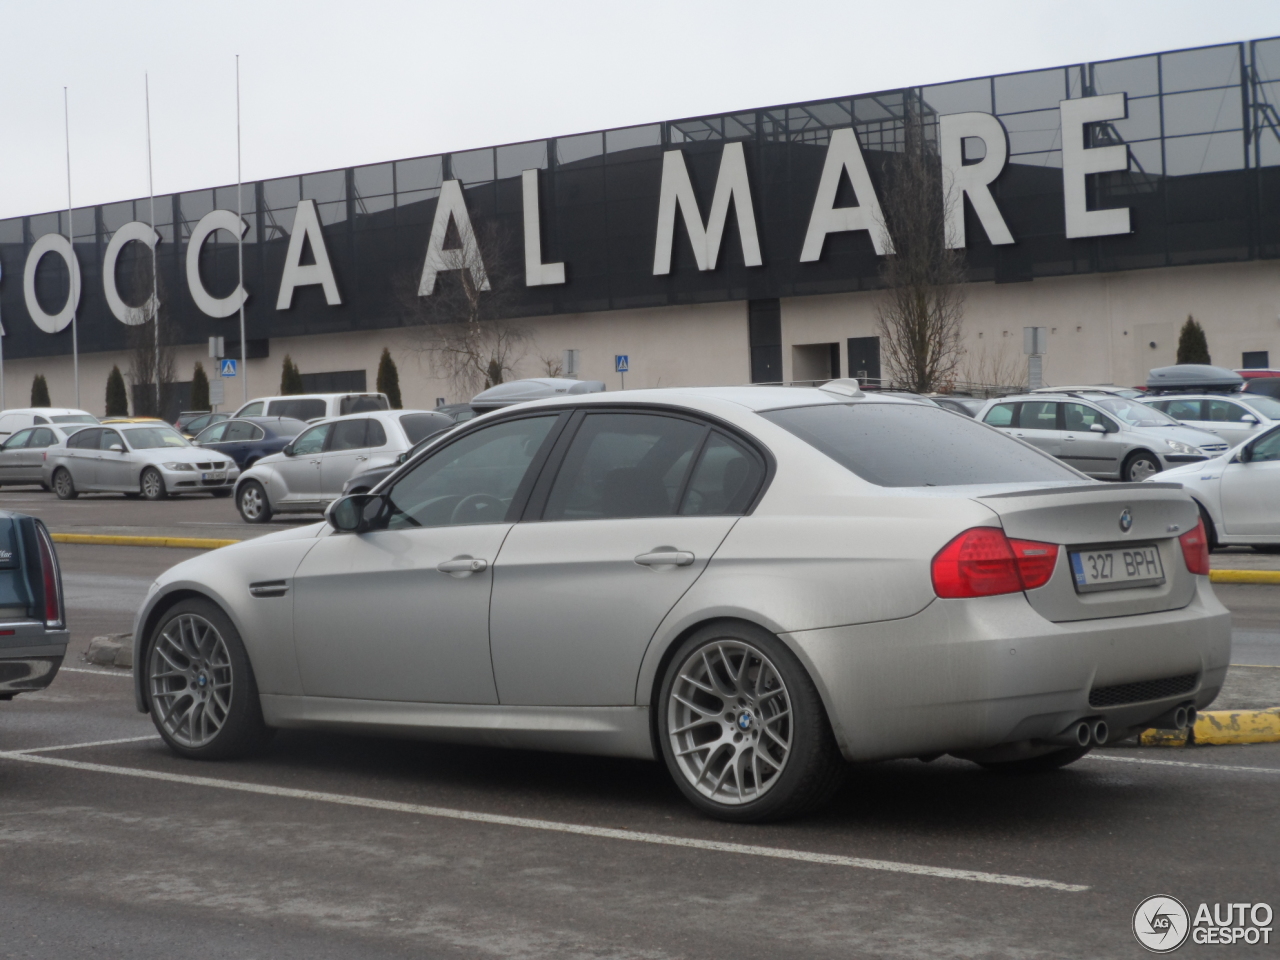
(1090,490)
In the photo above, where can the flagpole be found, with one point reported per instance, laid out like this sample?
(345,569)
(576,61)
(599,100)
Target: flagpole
(71,237)
(155,279)
(244,344)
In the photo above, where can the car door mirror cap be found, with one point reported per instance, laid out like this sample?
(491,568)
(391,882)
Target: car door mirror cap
(357,513)
(1250,419)
(117,448)
(287,450)
(1097,428)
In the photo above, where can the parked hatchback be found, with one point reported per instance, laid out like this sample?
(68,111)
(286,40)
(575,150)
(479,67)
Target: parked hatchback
(22,456)
(1234,417)
(1102,435)
(247,440)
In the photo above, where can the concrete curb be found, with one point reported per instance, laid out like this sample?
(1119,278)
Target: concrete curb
(1244,576)
(1220,728)
(184,543)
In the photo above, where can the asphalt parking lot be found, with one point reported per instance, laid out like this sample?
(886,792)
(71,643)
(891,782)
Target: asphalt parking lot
(336,846)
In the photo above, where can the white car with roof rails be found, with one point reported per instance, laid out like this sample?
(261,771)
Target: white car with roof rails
(755,586)
(314,406)
(1233,418)
(313,467)
(1106,436)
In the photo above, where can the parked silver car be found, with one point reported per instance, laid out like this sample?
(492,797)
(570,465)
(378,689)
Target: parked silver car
(753,584)
(22,456)
(151,460)
(1102,435)
(1233,418)
(311,470)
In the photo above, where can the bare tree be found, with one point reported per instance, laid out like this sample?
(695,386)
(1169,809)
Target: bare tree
(923,308)
(459,326)
(151,353)
(995,366)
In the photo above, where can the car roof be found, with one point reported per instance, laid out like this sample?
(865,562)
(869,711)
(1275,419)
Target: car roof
(749,398)
(313,396)
(46,411)
(364,414)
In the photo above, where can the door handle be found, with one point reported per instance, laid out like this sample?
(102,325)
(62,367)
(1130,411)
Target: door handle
(1068,437)
(358,459)
(314,461)
(462,566)
(665,558)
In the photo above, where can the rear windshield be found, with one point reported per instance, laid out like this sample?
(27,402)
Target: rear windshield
(150,438)
(296,409)
(914,445)
(74,418)
(419,426)
(362,405)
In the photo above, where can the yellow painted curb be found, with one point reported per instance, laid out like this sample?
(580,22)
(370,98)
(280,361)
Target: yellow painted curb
(1220,728)
(185,543)
(1244,576)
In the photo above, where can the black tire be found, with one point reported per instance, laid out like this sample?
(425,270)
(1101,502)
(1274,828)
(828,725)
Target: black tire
(1210,531)
(152,485)
(810,771)
(175,701)
(63,484)
(1143,463)
(1041,764)
(252,502)
(223,493)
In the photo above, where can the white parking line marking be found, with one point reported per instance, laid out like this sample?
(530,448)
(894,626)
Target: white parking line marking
(127,674)
(77,746)
(608,833)
(1184,763)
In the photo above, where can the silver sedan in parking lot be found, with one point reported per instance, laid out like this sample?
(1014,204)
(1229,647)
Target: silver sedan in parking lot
(23,454)
(753,585)
(151,460)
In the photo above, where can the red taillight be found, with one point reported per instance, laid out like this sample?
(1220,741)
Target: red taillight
(983,562)
(1195,549)
(52,582)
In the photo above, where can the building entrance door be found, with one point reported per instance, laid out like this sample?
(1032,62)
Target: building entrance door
(864,359)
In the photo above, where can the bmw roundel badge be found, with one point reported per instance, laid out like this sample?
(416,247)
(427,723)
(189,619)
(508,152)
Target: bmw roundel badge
(1126,521)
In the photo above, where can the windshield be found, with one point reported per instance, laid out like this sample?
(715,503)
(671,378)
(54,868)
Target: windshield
(914,445)
(1134,413)
(1269,407)
(150,438)
(74,418)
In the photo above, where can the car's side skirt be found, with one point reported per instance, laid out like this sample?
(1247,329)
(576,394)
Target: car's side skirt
(604,731)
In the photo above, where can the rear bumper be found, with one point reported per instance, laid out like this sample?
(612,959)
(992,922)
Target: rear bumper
(30,660)
(964,676)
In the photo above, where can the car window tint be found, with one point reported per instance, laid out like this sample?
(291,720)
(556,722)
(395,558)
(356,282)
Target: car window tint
(1183,409)
(42,437)
(912,445)
(86,439)
(472,480)
(1267,448)
(252,410)
(1001,415)
(375,435)
(725,480)
(419,426)
(109,438)
(1224,411)
(348,435)
(624,465)
(213,434)
(238,430)
(297,409)
(1038,415)
(311,441)
(362,405)
(72,418)
(19,439)
(1076,416)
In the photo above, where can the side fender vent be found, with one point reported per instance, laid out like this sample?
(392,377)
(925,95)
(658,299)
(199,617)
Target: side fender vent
(268,588)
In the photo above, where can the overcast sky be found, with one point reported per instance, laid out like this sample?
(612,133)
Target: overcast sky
(327,84)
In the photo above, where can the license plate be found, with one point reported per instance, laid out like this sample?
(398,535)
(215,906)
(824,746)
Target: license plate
(1114,568)
(220,475)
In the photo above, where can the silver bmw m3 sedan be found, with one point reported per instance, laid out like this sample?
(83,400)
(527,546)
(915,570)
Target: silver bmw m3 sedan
(757,586)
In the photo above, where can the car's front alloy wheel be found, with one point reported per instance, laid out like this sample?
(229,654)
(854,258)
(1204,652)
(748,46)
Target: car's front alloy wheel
(251,501)
(204,700)
(742,727)
(1141,466)
(153,484)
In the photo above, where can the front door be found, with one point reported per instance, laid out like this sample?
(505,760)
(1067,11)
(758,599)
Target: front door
(347,451)
(301,470)
(402,612)
(864,359)
(115,467)
(1096,454)
(1251,491)
(637,509)
(1226,418)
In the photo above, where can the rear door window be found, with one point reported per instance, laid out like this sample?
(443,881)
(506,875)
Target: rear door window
(1182,409)
(85,439)
(913,445)
(1038,415)
(241,431)
(42,437)
(419,426)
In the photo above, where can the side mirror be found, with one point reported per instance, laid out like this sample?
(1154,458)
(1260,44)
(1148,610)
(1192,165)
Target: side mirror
(356,513)
(402,457)
(195,442)
(117,448)
(1245,454)
(288,449)
(1249,418)
(1097,428)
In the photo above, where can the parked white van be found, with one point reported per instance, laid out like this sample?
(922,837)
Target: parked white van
(14,420)
(314,406)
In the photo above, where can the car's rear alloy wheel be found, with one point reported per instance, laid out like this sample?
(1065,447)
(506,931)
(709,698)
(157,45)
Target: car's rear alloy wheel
(63,485)
(742,728)
(153,484)
(1140,466)
(204,700)
(252,503)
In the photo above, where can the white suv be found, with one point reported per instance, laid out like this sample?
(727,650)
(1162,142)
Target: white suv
(314,406)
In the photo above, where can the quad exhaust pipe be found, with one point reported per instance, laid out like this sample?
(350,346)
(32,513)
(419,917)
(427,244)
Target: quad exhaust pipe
(1179,718)
(1083,733)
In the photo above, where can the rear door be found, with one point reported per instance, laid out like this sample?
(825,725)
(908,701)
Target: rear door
(237,438)
(11,456)
(33,454)
(637,507)
(81,457)
(1251,491)
(1038,425)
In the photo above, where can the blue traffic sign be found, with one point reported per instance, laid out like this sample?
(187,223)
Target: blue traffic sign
(227,367)
(621,363)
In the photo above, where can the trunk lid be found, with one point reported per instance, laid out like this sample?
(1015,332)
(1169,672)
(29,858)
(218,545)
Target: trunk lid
(1092,519)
